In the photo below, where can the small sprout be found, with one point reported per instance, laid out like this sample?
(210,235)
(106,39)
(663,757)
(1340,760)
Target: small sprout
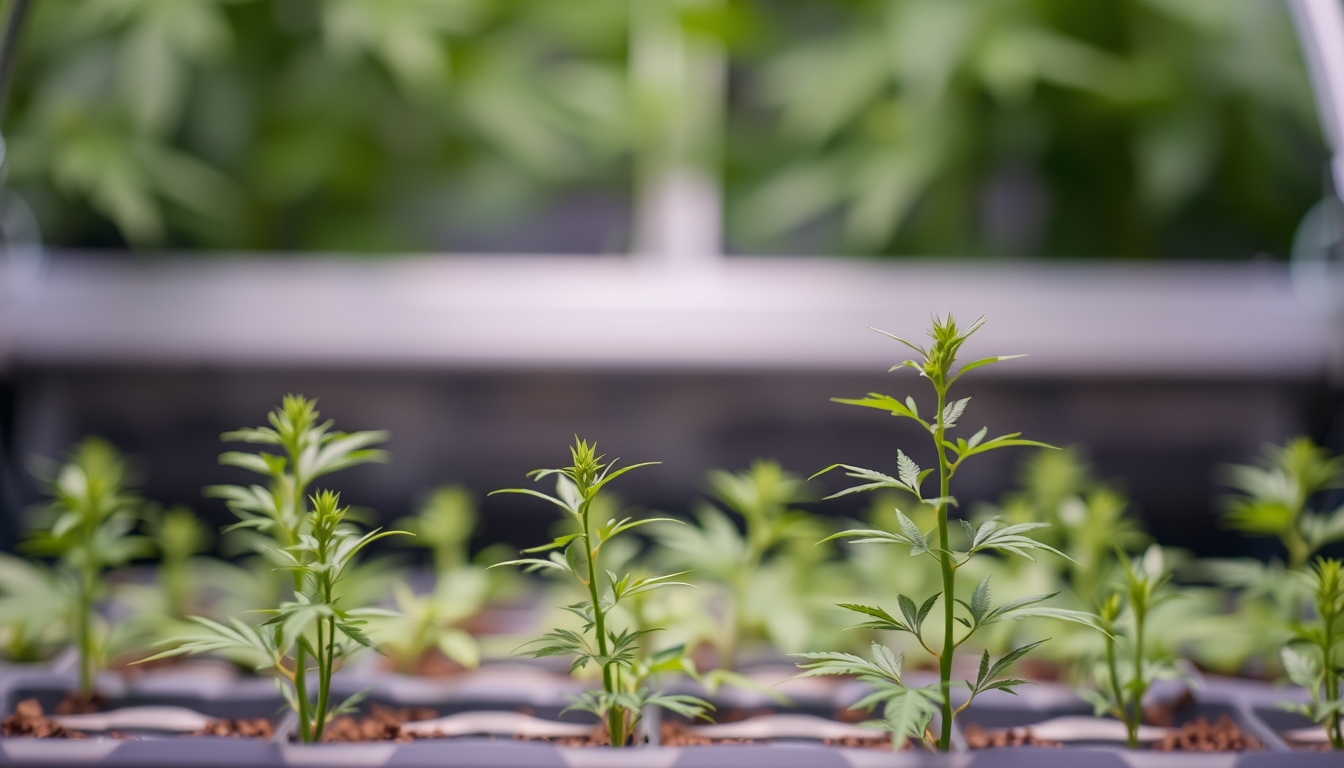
(618,653)
(1275,498)
(1121,687)
(444,525)
(773,554)
(91,518)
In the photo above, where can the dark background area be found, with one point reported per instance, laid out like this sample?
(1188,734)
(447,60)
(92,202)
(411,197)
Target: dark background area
(1159,440)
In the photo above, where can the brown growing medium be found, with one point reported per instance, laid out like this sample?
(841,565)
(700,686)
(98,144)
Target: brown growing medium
(1202,736)
(80,704)
(246,728)
(29,720)
(1198,735)
(981,738)
(380,724)
(675,734)
(679,734)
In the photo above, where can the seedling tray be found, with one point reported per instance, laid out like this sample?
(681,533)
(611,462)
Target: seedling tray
(1249,704)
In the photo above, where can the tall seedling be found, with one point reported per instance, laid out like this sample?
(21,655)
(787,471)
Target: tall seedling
(91,516)
(312,543)
(905,713)
(1315,658)
(623,697)
(313,628)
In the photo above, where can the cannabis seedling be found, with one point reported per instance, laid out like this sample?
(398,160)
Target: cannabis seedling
(314,625)
(178,535)
(278,515)
(431,621)
(92,516)
(1313,660)
(1122,684)
(1276,498)
(939,366)
(746,564)
(622,699)
(1279,496)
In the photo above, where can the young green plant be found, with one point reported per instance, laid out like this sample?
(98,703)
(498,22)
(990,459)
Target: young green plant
(1122,683)
(313,626)
(622,699)
(278,517)
(1315,658)
(179,536)
(91,518)
(1276,496)
(751,562)
(443,525)
(938,365)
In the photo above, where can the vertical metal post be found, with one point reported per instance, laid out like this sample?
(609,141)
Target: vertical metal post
(678,90)
(1320,30)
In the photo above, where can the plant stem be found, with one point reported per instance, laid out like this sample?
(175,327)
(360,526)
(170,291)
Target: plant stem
(300,654)
(1140,687)
(1115,688)
(616,715)
(1332,725)
(949,579)
(326,648)
(85,631)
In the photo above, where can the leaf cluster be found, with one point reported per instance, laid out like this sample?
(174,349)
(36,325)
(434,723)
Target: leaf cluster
(1275,495)
(906,712)
(771,552)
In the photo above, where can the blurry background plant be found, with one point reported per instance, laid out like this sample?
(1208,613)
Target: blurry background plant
(765,582)
(434,618)
(1111,128)
(297,124)
(1127,128)
(89,527)
(1283,496)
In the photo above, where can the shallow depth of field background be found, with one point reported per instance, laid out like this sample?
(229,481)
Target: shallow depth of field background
(193,165)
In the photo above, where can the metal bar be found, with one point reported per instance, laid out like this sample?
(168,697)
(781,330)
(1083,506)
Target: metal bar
(1320,29)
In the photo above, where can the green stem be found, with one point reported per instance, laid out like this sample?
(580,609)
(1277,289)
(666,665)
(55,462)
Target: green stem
(949,583)
(1332,723)
(616,715)
(736,624)
(1140,687)
(85,633)
(1116,693)
(326,648)
(300,654)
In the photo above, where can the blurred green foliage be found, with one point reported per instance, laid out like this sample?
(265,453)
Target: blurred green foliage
(1128,128)
(307,124)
